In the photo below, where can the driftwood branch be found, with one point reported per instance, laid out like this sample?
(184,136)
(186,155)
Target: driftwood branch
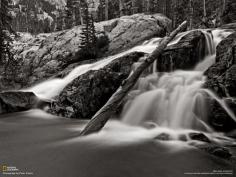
(103,115)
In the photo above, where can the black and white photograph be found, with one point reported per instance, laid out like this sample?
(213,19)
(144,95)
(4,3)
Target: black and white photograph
(118,88)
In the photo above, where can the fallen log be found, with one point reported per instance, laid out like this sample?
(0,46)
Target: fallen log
(102,116)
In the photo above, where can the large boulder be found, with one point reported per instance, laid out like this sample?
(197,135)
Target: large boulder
(45,55)
(128,31)
(221,79)
(17,101)
(90,91)
(221,75)
(185,54)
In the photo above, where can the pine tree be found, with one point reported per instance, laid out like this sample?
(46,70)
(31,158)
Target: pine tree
(88,36)
(6,56)
(106,10)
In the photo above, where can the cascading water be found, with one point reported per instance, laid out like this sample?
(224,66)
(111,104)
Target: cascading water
(51,88)
(172,100)
(175,100)
(32,140)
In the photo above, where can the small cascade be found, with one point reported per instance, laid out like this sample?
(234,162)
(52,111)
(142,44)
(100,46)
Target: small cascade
(172,100)
(175,100)
(204,65)
(209,43)
(172,112)
(53,87)
(220,34)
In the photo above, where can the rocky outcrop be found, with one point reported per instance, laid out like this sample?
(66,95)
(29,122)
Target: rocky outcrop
(216,150)
(221,79)
(17,101)
(46,54)
(183,55)
(128,31)
(229,14)
(89,92)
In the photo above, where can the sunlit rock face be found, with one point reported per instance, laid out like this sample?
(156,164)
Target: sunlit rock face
(45,55)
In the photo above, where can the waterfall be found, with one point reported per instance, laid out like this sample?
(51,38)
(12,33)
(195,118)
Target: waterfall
(53,87)
(210,44)
(175,100)
(172,100)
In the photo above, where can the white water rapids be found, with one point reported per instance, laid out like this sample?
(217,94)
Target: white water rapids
(170,103)
(51,88)
(173,100)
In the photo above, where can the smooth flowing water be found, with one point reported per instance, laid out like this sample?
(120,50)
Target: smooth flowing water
(175,100)
(49,146)
(53,87)
(160,104)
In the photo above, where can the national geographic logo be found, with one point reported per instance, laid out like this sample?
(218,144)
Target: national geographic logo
(6,168)
(3,168)
(11,170)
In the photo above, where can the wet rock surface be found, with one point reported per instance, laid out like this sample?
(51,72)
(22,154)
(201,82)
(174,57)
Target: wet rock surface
(183,55)
(16,101)
(216,150)
(221,79)
(89,92)
(199,137)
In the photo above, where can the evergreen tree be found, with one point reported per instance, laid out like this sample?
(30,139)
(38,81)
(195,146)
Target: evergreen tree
(6,56)
(88,36)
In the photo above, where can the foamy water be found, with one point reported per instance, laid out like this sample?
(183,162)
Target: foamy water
(51,88)
(161,105)
(176,100)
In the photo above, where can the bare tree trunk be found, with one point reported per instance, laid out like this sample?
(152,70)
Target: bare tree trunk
(149,6)
(191,14)
(204,8)
(122,8)
(175,13)
(103,115)
(164,7)
(106,9)
(134,7)
(205,20)
(223,7)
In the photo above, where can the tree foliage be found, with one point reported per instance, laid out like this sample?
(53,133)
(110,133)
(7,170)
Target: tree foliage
(88,36)
(6,57)
(37,16)
(73,13)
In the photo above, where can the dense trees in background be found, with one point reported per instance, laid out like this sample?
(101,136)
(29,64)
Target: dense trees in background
(34,16)
(37,16)
(6,57)
(74,10)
